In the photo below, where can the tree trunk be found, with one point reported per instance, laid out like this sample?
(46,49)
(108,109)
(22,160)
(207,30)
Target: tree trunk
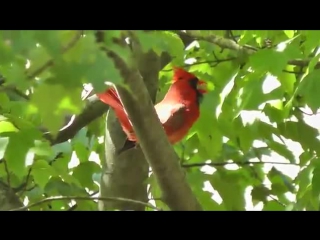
(125,175)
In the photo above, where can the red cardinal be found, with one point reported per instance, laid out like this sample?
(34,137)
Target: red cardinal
(177,112)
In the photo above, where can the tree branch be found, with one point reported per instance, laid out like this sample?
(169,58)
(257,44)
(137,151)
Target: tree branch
(92,111)
(59,198)
(230,44)
(50,62)
(155,145)
(8,198)
(222,164)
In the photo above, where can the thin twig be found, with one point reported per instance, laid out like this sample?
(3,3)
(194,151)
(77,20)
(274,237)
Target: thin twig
(156,199)
(293,72)
(276,200)
(309,114)
(215,62)
(261,180)
(231,45)
(72,208)
(221,164)
(11,88)
(8,173)
(59,198)
(23,186)
(50,62)
(231,35)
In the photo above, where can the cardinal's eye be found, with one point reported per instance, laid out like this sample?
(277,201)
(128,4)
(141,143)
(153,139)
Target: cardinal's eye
(194,83)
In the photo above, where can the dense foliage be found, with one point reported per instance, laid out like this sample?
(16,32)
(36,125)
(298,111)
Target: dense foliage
(253,144)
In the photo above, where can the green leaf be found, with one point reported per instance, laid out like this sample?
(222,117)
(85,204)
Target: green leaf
(207,127)
(247,36)
(197,178)
(42,148)
(274,111)
(35,194)
(280,181)
(289,33)
(245,134)
(302,133)
(3,145)
(208,133)
(304,179)
(60,102)
(111,39)
(59,205)
(273,206)
(6,126)
(86,206)
(4,99)
(64,147)
(312,40)
(268,60)
(50,40)
(231,186)
(81,137)
(16,152)
(309,89)
(266,130)
(304,199)
(293,50)
(251,95)
(56,186)
(260,193)
(206,201)
(84,172)
(281,150)
(162,41)
(15,74)
(61,163)
(24,125)
(305,157)
(7,54)
(38,56)
(20,41)
(42,172)
(86,62)
(66,177)
(81,151)
(316,181)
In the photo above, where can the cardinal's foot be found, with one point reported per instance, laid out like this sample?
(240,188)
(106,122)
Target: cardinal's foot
(126,146)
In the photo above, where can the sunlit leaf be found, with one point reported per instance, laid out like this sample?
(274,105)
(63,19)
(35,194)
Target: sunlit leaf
(273,206)
(231,186)
(289,33)
(309,89)
(84,173)
(61,101)
(260,193)
(6,126)
(268,60)
(16,152)
(42,172)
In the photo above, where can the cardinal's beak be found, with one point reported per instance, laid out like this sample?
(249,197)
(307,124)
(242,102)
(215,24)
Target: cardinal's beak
(202,86)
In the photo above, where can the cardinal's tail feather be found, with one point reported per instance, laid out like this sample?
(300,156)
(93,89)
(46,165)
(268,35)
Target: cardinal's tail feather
(111,98)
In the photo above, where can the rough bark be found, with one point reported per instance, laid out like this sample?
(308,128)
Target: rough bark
(155,145)
(8,199)
(125,175)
